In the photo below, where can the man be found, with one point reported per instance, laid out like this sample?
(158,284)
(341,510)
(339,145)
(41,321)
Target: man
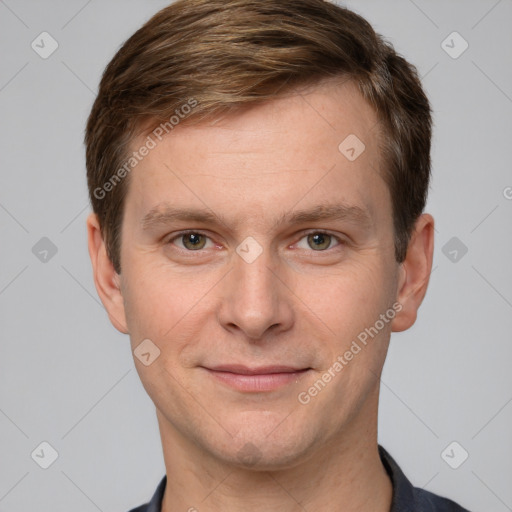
(258,171)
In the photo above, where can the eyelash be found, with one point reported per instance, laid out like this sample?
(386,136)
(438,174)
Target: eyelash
(341,242)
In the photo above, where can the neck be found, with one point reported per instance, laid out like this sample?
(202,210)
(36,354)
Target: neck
(345,474)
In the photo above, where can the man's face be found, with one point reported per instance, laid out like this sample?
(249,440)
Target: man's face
(253,288)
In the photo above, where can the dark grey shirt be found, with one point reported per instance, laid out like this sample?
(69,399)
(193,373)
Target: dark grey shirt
(406,498)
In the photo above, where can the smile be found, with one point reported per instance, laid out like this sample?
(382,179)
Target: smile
(256,380)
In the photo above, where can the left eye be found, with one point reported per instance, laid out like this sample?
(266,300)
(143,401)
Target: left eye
(319,241)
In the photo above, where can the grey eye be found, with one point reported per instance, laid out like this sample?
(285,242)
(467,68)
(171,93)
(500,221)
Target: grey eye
(319,241)
(193,241)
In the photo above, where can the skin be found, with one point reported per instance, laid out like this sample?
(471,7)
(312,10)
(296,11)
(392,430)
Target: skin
(294,304)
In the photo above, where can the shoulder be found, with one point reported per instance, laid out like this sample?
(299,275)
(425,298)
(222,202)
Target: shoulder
(429,502)
(407,498)
(155,505)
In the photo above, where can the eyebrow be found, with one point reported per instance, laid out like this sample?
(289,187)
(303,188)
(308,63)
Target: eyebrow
(166,214)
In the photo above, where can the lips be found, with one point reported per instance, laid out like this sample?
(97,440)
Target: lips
(260,370)
(256,379)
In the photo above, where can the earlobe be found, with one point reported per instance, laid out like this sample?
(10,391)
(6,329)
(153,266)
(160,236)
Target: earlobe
(414,273)
(106,279)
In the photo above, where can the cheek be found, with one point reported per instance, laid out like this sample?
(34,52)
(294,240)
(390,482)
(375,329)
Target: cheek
(150,301)
(349,303)
(160,302)
(355,291)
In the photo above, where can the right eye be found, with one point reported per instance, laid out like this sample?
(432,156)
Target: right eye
(190,240)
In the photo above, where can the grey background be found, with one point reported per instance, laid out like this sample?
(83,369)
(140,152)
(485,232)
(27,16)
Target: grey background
(67,376)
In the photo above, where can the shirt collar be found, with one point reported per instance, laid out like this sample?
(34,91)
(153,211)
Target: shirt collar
(403,492)
(155,505)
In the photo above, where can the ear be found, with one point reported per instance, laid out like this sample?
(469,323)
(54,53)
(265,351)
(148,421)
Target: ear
(106,279)
(415,273)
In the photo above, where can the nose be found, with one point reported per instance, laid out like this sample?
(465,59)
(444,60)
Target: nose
(256,300)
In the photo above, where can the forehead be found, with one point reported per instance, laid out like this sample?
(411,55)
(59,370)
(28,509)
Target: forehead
(316,144)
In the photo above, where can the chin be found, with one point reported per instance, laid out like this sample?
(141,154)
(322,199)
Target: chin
(266,447)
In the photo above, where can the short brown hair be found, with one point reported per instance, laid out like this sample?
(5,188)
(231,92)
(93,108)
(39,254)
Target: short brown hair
(223,55)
